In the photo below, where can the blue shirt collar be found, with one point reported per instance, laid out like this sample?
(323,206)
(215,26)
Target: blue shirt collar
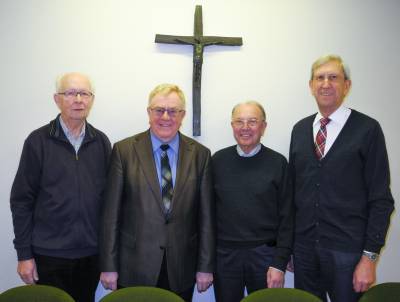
(68,133)
(156,142)
(251,153)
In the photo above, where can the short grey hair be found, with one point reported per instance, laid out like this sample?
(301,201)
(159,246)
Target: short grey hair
(254,103)
(329,58)
(61,77)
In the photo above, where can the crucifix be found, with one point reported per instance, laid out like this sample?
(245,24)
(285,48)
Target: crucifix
(199,42)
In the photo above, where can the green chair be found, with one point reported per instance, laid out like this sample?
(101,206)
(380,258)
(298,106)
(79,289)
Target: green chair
(141,294)
(384,292)
(281,295)
(35,293)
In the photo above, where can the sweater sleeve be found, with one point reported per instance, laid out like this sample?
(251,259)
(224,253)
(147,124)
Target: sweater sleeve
(380,200)
(284,240)
(23,197)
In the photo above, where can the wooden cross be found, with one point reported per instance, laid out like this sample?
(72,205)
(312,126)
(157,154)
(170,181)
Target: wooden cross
(199,42)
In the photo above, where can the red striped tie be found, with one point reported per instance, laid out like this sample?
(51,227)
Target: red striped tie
(320,139)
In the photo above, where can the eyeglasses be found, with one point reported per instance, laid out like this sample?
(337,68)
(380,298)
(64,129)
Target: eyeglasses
(252,123)
(159,111)
(330,77)
(70,94)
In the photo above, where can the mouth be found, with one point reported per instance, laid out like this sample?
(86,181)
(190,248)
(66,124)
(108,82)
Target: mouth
(325,93)
(245,135)
(164,125)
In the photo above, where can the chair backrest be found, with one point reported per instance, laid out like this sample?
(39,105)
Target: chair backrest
(35,293)
(141,294)
(384,292)
(280,295)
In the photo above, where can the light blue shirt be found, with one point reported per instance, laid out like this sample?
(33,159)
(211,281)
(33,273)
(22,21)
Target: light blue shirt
(76,142)
(251,153)
(172,152)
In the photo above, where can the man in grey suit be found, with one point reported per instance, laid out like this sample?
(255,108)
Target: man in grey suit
(158,228)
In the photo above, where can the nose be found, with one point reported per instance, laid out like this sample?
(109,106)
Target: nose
(78,97)
(246,125)
(165,115)
(326,81)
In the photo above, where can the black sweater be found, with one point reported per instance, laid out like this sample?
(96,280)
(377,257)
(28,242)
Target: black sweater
(343,202)
(253,201)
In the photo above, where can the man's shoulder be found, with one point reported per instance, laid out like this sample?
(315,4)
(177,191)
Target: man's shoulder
(191,143)
(134,139)
(41,132)
(362,118)
(272,154)
(97,132)
(224,152)
(305,122)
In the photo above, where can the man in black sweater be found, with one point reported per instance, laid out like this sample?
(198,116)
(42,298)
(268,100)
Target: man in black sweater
(341,190)
(254,209)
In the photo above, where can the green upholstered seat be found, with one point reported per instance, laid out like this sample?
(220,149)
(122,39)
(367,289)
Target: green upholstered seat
(280,295)
(384,292)
(35,293)
(141,294)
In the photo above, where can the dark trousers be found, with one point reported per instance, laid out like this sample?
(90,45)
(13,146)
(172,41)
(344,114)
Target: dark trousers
(78,277)
(163,282)
(322,271)
(240,268)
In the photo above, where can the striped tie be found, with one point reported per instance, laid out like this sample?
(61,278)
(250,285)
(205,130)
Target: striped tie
(166,179)
(320,139)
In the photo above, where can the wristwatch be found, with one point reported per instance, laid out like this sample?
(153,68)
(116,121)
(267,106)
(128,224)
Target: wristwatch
(371,256)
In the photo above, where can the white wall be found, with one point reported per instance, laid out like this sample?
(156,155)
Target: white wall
(113,41)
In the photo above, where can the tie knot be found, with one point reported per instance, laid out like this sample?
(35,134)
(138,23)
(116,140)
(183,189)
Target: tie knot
(324,121)
(164,147)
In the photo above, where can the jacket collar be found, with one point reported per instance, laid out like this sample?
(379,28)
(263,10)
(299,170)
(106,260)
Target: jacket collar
(57,132)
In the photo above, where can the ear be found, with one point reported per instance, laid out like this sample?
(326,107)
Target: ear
(310,85)
(57,100)
(347,86)
(265,128)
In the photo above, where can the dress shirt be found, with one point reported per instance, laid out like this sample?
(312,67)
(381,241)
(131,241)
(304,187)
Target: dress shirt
(251,153)
(333,128)
(76,142)
(172,153)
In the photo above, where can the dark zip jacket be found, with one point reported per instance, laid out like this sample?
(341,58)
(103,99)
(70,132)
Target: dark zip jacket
(56,194)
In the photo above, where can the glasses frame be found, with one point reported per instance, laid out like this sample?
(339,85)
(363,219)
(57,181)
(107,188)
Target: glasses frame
(83,94)
(160,111)
(252,123)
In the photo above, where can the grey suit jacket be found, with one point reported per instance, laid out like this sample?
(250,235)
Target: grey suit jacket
(135,232)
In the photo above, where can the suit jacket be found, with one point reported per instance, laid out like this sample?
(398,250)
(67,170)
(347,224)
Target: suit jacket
(135,233)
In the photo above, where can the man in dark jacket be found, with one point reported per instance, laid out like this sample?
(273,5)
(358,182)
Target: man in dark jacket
(342,190)
(56,195)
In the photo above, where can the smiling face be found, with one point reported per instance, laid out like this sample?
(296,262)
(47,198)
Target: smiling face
(165,126)
(329,87)
(248,126)
(74,108)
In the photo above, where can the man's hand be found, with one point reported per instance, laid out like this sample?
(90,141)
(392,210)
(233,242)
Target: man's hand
(27,271)
(364,275)
(203,281)
(275,278)
(109,280)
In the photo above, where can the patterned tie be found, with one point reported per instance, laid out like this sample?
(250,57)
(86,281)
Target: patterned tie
(320,139)
(166,179)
